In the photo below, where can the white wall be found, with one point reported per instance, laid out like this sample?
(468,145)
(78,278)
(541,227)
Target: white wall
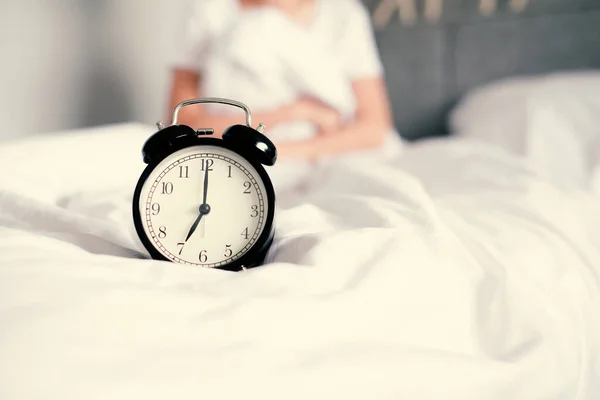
(67,64)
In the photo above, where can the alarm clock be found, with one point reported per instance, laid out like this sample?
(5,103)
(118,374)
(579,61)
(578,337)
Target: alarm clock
(206,201)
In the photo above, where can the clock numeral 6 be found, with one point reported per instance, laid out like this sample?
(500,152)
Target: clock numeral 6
(155,208)
(167,188)
(162,232)
(247,185)
(202,257)
(254,213)
(228,252)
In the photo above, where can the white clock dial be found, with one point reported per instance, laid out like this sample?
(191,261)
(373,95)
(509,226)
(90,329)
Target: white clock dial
(230,221)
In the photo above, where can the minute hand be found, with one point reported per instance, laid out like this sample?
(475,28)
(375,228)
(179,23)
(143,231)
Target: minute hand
(205,185)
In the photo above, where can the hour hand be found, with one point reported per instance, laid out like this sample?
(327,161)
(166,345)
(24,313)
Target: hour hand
(194,226)
(204,209)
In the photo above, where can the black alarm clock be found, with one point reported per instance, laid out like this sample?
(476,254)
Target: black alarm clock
(206,201)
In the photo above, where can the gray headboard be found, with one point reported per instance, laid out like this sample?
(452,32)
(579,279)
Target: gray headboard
(436,50)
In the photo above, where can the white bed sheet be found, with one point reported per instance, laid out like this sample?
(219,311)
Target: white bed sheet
(453,272)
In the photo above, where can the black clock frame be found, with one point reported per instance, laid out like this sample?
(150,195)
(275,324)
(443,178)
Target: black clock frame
(178,137)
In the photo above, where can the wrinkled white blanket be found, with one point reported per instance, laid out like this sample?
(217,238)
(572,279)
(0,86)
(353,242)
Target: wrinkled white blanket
(464,278)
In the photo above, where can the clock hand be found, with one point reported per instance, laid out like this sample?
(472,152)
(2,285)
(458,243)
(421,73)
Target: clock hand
(204,209)
(194,226)
(205,185)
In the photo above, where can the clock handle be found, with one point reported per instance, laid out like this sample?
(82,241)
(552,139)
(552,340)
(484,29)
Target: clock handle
(219,100)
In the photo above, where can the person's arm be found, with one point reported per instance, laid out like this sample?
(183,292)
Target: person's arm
(372,122)
(187,85)
(372,119)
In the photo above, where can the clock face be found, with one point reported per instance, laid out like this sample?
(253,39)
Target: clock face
(203,205)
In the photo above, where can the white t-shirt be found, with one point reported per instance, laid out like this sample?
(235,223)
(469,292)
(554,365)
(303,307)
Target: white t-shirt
(343,26)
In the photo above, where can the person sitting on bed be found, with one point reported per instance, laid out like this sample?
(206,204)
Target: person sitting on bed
(341,30)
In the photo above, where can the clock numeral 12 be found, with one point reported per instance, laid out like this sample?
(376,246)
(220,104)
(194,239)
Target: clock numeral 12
(207,163)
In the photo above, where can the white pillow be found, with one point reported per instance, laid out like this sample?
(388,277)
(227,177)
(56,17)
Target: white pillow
(553,120)
(494,112)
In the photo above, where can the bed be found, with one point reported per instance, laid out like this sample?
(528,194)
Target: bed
(472,270)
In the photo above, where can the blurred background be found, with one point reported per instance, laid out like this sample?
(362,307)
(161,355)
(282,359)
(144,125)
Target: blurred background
(74,63)
(68,64)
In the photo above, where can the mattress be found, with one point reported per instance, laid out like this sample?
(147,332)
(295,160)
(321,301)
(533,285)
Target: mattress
(454,271)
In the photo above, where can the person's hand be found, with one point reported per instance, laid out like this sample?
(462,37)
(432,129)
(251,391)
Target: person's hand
(322,115)
(300,151)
